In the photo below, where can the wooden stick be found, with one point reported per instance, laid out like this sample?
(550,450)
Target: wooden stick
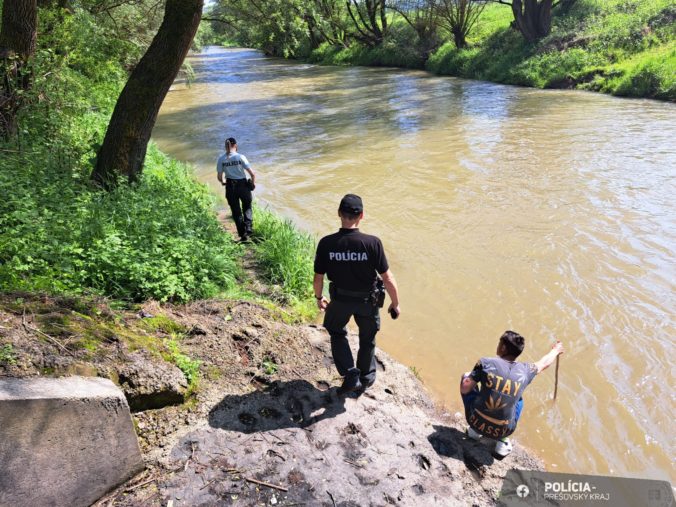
(556,377)
(267,484)
(50,338)
(136,486)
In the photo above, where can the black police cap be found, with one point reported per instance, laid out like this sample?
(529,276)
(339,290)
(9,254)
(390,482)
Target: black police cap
(351,204)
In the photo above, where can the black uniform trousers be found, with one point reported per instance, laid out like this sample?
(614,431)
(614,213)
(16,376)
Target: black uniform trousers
(237,191)
(367,317)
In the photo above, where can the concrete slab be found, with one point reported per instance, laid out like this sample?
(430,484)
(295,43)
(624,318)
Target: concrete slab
(64,441)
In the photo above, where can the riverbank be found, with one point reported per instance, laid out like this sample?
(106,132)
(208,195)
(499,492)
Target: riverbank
(262,418)
(623,48)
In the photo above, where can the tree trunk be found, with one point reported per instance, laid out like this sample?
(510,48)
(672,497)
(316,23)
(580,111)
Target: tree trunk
(533,18)
(459,39)
(124,147)
(18,35)
(19,28)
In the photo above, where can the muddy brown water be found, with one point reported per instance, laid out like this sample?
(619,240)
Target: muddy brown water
(548,212)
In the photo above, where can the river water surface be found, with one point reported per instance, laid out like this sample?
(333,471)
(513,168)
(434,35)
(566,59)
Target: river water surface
(551,213)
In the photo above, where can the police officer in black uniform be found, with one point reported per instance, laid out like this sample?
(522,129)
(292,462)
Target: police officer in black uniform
(352,261)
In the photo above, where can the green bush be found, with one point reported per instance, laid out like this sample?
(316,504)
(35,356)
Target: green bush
(156,239)
(648,74)
(7,355)
(284,254)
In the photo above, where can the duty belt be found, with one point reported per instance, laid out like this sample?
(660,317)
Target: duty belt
(352,294)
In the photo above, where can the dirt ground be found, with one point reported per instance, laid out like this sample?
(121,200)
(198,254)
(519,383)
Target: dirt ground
(266,426)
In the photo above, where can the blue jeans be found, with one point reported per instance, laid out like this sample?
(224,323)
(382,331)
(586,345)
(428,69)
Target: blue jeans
(468,401)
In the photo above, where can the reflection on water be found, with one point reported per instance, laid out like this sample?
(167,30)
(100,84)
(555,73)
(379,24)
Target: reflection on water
(546,212)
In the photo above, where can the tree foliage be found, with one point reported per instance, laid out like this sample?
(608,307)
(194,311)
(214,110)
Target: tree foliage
(369,20)
(459,17)
(423,17)
(278,27)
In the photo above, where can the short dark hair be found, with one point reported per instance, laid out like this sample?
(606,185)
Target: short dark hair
(513,342)
(347,215)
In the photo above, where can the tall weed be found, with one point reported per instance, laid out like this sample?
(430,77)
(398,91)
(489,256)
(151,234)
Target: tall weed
(284,253)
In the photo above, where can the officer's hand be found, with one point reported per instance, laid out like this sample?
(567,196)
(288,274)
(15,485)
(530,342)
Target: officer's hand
(322,303)
(394,310)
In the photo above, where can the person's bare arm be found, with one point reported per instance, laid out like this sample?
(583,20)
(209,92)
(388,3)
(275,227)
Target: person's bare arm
(318,286)
(219,173)
(251,173)
(549,357)
(392,291)
(467,384)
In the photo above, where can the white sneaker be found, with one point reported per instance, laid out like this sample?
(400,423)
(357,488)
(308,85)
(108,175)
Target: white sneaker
(503,447)
(474,435)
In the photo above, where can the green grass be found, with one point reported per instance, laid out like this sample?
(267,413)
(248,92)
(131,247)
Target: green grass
(623,47)
(157,239)
(269,366)
(384,56)
(7,355)
(163,324)
(284,254)
(190,367)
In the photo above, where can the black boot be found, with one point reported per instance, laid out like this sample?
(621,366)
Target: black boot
(351,382)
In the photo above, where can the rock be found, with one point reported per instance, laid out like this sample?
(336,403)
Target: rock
(150,383)
(197,330)
(250,332)
(64,441)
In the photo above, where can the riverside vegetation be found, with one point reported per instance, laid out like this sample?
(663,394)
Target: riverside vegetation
(621,47)
(80,266)
(156,238)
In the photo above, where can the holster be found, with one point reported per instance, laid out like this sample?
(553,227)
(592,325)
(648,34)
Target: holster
(378,294)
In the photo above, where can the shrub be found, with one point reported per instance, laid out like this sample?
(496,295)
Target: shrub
(156,239)
(284,254)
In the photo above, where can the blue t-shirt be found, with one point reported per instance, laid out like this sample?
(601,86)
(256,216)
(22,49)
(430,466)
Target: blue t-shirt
(502,384)
(232,165)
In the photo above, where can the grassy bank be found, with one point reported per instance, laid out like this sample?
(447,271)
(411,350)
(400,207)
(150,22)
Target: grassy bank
(156,239)
(621,47)
(284,255)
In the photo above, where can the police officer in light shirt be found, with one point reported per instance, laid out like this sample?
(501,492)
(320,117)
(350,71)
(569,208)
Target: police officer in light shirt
(352,261)
(231,167)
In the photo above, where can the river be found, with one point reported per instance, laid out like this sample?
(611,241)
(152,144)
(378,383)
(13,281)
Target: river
(547,212)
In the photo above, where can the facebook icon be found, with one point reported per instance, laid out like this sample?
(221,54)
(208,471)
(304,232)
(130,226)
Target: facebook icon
(522,491)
